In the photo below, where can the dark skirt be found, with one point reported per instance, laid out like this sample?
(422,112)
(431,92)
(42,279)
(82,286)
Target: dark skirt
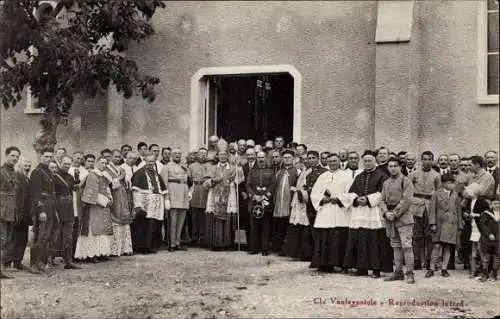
(368,249)
(219,231)
(298,242)
(329,246)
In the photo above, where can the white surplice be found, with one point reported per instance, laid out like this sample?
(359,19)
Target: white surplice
(331,215)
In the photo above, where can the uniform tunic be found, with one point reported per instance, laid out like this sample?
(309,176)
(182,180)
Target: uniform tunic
(425,183)
(9,207)
(19,239)
(63,241)
(397,193)
(43,199)
(176,179)
(368,247)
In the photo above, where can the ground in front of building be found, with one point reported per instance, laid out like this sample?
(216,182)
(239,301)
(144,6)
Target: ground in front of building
(204,284)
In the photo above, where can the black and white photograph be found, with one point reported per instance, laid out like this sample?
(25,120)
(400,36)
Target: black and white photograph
(249,159)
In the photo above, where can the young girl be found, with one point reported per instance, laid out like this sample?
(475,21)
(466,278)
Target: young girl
(488,226)
(445,220)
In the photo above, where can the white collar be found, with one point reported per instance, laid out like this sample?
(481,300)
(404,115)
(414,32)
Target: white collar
(491,168)
(225,165)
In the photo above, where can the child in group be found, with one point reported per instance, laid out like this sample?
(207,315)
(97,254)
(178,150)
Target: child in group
(488,227)
(477,206)
(445,220)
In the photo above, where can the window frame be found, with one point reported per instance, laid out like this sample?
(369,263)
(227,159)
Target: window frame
(483,98)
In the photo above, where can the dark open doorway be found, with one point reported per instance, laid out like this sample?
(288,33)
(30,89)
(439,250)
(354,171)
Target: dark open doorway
(254,106)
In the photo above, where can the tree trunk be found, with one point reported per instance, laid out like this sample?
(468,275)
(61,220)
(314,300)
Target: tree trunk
(46,138)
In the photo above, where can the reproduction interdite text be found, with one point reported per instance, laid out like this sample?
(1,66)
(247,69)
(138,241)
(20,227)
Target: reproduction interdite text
(388,302)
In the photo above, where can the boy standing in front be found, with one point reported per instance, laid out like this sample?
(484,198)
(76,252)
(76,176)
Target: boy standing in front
(445,220)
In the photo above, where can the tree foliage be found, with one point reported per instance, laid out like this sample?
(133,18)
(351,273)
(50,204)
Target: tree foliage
(59,61)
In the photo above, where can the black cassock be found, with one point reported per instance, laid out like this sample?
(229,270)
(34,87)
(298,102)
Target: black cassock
(368,246)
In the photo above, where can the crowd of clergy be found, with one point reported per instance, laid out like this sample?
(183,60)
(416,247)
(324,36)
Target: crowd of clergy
(359,214)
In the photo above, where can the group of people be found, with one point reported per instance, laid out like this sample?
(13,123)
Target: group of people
(378,212)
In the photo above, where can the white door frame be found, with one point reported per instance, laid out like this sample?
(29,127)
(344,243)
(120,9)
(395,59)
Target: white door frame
(197,111)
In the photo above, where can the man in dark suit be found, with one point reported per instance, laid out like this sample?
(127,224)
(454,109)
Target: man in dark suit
(64,186)
(316,171)
(382,158)
(19,238)
(142,148)
(43,198)
(491,165)
(243,203)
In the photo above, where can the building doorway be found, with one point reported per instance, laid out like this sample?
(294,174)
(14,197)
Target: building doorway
(250,106)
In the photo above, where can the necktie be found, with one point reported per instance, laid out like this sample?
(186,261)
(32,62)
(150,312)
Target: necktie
(77,176)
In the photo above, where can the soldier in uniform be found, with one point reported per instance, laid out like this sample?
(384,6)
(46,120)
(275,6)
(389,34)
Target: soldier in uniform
(9,188)
(64,186)
(175,177)
(260,188)
(396,195)
(426,181)
(19,238)
(43,197)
